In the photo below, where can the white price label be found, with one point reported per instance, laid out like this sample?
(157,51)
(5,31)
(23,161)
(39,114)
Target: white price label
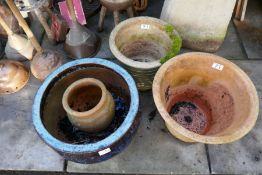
(145,26)
(218,66)
(105,151)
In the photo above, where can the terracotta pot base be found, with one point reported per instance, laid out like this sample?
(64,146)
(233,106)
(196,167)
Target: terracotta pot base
(190,116)
(203,110)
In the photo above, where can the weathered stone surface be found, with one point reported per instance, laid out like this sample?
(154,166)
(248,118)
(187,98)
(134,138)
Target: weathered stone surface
(152,151)
(245,155)
(231,48)
(202,25)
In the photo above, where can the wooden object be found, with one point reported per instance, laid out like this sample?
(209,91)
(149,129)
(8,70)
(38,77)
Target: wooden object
(17,47)
(140,5)
(115,7)
(240,9)
(24,25)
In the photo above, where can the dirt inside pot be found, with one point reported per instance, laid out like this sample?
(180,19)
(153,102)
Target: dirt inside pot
(76,136)
(143,50)
(54,117)
(85,98)
(190,116)
(203,110)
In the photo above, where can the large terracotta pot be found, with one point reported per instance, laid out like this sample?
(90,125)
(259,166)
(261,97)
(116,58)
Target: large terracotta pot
(89,105)
(205,98)
(139,43)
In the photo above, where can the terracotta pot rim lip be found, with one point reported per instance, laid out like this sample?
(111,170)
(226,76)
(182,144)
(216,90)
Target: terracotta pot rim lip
(91,81)
(61,146)
(27,79)
(209,139)
(121,57)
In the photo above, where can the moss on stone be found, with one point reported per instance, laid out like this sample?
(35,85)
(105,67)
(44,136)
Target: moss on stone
(176,43)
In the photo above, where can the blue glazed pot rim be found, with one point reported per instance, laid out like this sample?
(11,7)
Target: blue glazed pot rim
(93,147)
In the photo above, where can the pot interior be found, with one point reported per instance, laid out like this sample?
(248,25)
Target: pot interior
(54,116)
(143,40)
(205,100)
(84,98)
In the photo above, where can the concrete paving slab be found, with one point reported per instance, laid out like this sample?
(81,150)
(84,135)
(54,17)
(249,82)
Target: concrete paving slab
(251,38)
(21,148)
(152,151)
(231,47)
(243,156)
(250,30)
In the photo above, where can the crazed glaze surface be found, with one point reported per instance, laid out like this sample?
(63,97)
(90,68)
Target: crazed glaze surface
(88,153)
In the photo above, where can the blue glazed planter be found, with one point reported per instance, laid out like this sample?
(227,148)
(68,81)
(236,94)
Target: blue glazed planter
(48,111)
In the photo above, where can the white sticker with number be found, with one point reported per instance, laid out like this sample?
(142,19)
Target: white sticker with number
(105,151)
(145,26)
(218,66)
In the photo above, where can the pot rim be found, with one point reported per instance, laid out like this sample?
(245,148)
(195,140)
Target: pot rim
(219,139)
(121,57)
(91,81)
(102,144)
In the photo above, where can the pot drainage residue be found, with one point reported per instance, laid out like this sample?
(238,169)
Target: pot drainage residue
(76,136)
(190,116)
(143,50)
(203,110)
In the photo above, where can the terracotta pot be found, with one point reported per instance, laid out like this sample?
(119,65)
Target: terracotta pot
(89,105)
(51,120)
(205,98)
(139,43)
(13,76)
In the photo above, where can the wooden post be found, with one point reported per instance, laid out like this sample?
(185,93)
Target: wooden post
(5,26)
(24,25)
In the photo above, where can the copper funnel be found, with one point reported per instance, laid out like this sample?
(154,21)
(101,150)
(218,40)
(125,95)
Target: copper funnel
(13,76)
(80,41)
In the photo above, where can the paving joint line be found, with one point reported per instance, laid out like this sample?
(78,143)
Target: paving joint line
(65,166)
(208,159)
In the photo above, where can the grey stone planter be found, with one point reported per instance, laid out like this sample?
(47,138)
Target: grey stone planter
(202,24)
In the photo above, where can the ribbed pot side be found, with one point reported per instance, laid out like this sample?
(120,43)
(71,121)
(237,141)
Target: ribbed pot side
(139,43)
